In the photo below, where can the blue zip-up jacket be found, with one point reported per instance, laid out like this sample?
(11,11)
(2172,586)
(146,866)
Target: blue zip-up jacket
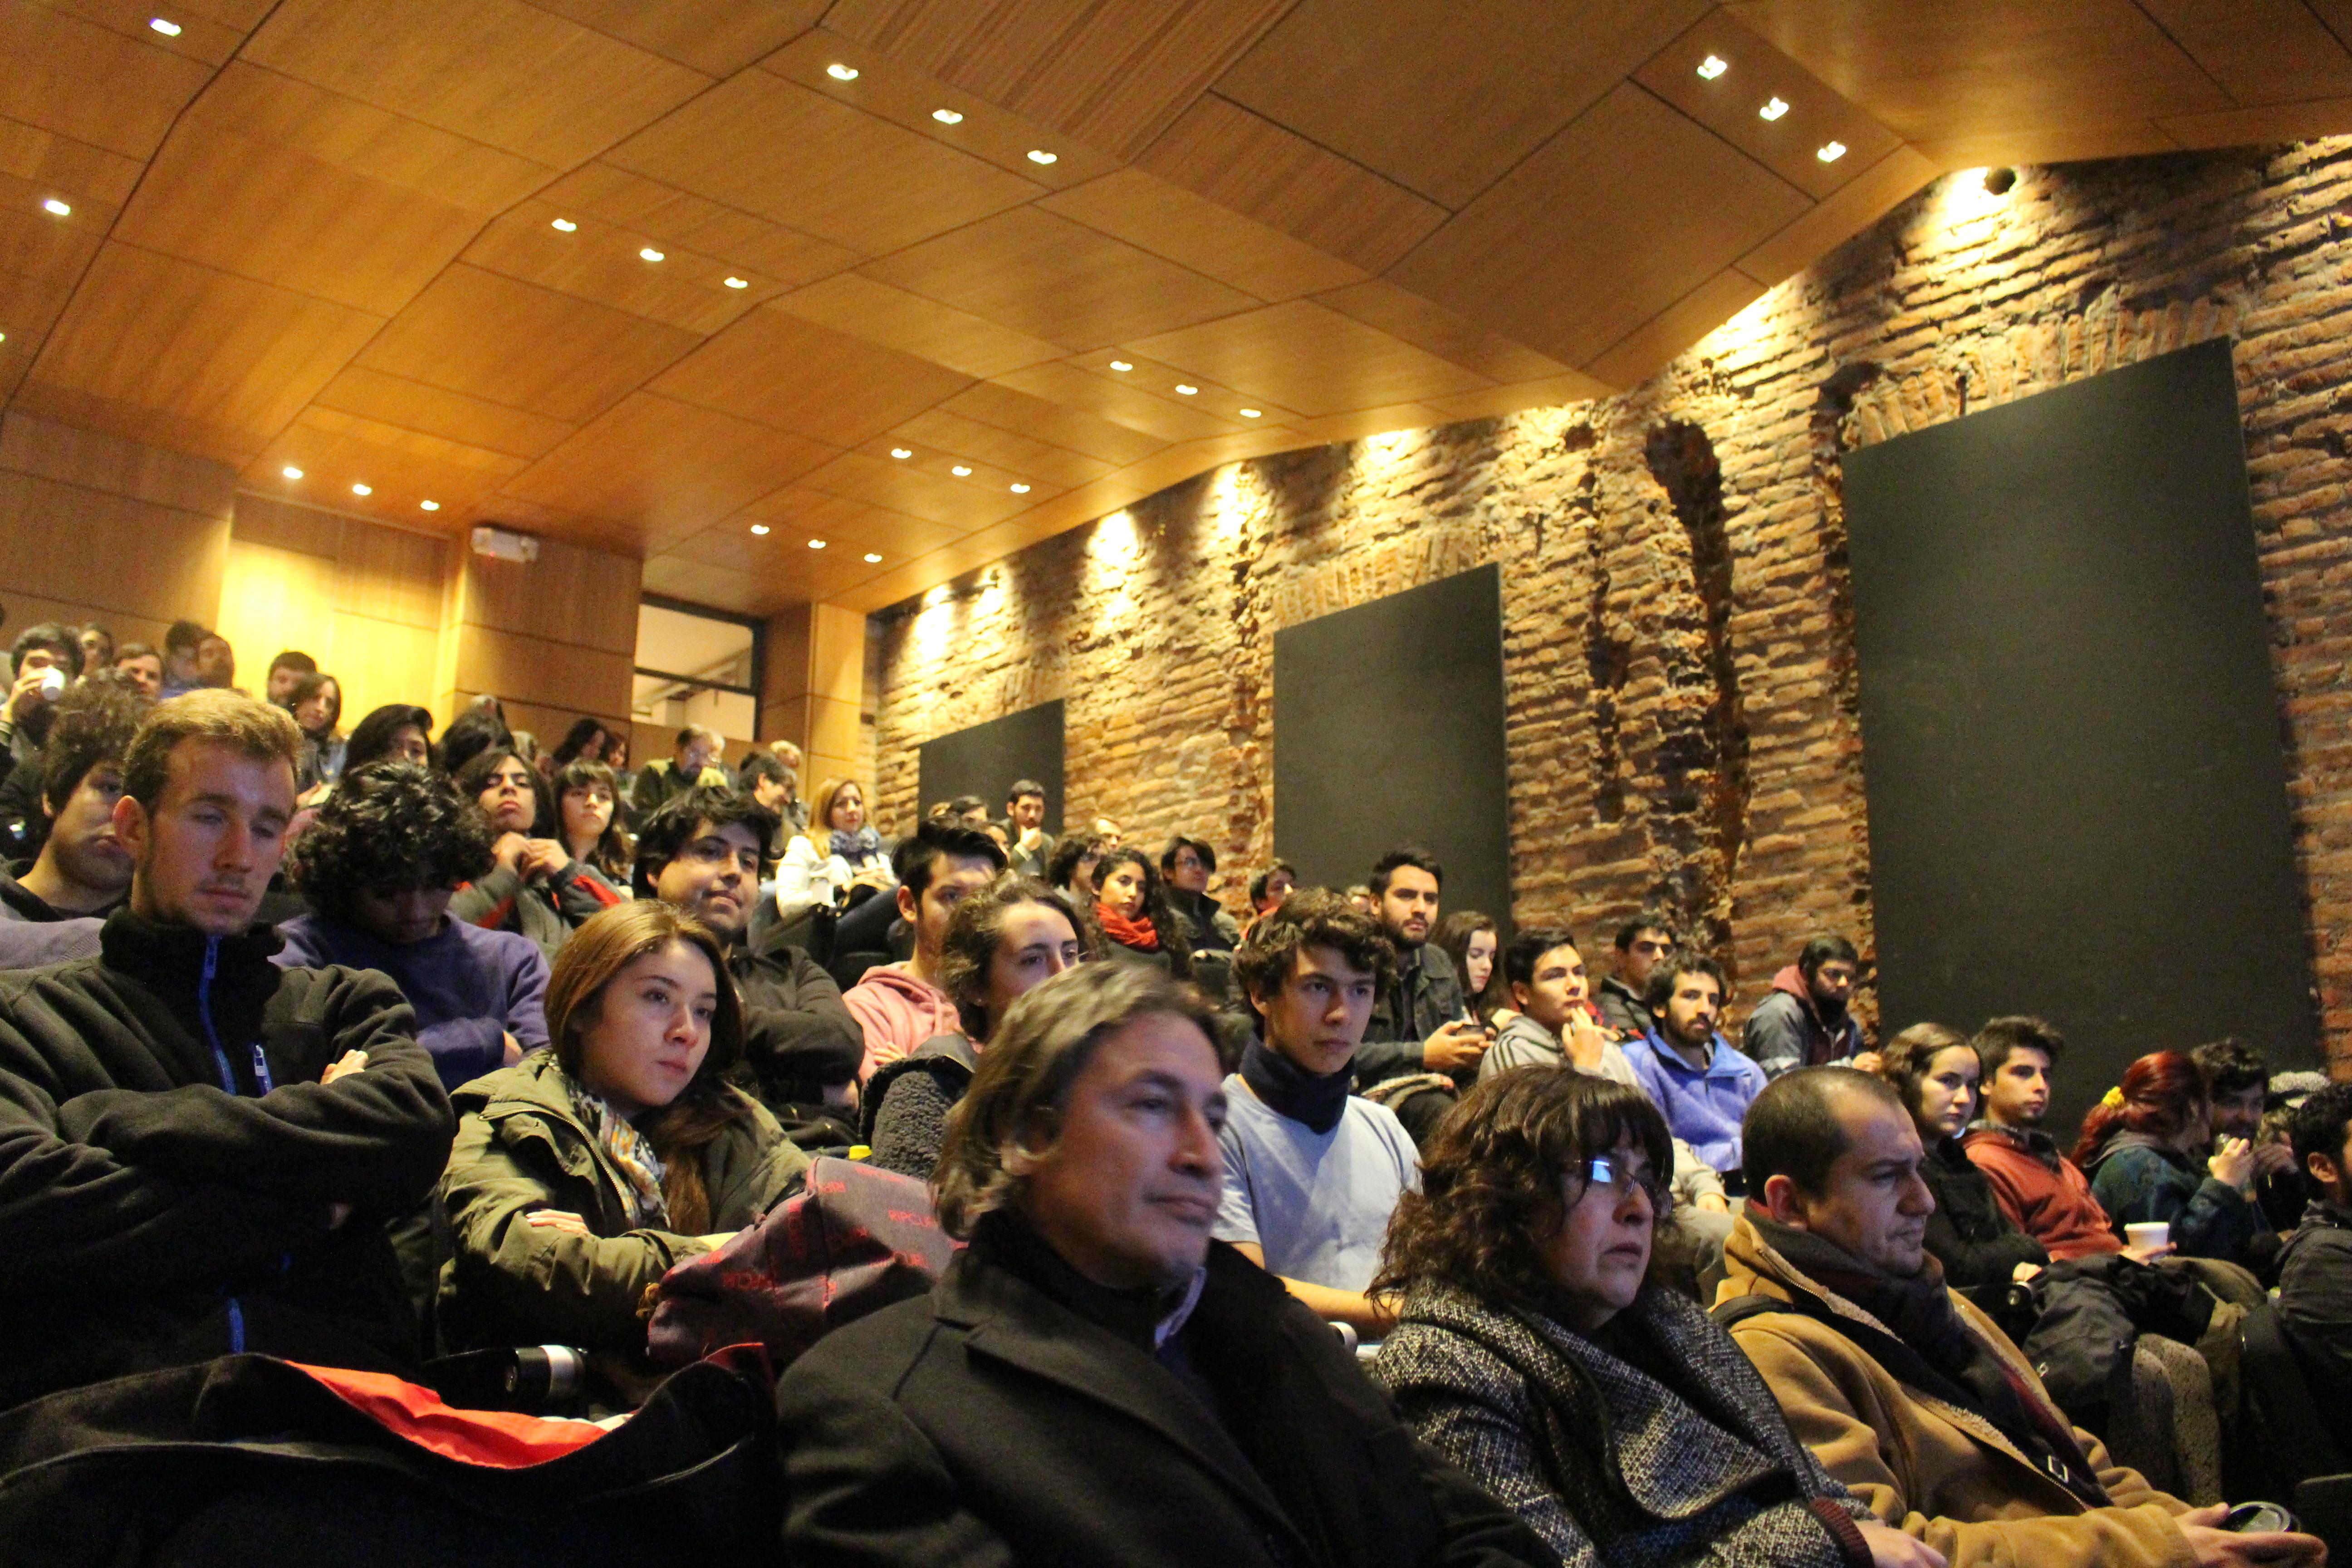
(1704,1109)
(170,1161)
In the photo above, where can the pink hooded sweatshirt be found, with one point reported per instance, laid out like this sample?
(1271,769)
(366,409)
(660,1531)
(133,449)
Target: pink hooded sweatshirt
(897,1013)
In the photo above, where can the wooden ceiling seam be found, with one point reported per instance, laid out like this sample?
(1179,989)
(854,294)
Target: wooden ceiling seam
(2191,55)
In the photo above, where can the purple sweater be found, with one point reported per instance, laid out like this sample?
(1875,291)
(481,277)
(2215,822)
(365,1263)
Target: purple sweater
(471,987)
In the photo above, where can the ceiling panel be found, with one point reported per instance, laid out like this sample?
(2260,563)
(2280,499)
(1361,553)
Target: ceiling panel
(208,41)
(1568,386)
(1249,163)
(776,148)
(1868,197)
(2260,51)
(400,468)
(1130,371)
(438,412)
(37,245)
(76,170)
(1617,217)
(797,515)
(793,374)
(1315,361)
(497,70)
(671,217)
(1170,221)
(1402,313)
(1373,83)
(1057,280)
(594,260)
(864,307)
(1648,347)
(957,436)
(531,348)
(952,503)
(1113,73)
(963,469)
(2279,123)
(79,79)
(1040,420)
(1120,402)
(718,37)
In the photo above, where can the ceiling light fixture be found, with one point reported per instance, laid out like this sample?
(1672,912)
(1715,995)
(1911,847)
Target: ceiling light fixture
(362,489)
(56,207)
(290,471)
(738,282)
(901,453)
(1038,156)
(1831,151)
(872,559)
(428,506)
(816,544)
(1120,364)
(959,471)
(840,72)
(562,225)
(759,528)
(1021,489)
(1713,66)
(169,29)
(1773,109)
(1252,413)
(1185,390)
(650,254)
(947,117)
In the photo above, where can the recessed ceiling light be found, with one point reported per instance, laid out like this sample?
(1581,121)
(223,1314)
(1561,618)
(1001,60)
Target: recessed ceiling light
(901,453)
(1713,66)
(362,489)
(840,72)
(169,29)
(947,117)
(650,254)
(1185,390)
(759,528)
(56,207)
(428,506)
(1831,153)
(291,472)
(738,282)
(1252,413)
(1021,489)
(816,544)
(872,559)
(1772,109)
(1038,156)
(562,225)
(959,471)
(1120,364)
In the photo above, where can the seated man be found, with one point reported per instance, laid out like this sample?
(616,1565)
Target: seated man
(1096,1381)
(380,864)
(701,854)
(1804,1023)
(2237,1089)
(1690,1072)
(900,1006)
(694,762)
(1312,1170)
(2314,1296)
(1420,1030)
(197,1148)
(143,667)
(49,911)
(1025,820)
(1624,997)
(2044,1193)
(1902,1390)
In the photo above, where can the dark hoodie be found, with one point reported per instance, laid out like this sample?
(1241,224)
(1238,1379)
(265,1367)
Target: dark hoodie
(1787,1030)
(169,1159)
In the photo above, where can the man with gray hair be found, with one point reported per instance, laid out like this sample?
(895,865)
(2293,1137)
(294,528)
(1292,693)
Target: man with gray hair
(1095,1380)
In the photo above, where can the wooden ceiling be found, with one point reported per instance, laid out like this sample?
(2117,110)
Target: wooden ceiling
(412,246)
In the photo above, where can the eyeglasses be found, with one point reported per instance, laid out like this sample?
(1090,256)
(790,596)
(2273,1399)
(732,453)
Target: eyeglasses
(1620,1178)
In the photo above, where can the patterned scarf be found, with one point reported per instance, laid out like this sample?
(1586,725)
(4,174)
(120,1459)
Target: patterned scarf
(862,845)
(629,1151)
(1139,933)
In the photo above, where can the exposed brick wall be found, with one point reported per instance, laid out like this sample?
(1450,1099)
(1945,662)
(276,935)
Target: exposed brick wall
(1677,623)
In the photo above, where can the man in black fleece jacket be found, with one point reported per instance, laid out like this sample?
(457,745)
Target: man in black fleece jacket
(197,1148)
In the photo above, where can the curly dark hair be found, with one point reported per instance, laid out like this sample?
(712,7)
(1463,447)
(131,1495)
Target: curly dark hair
(1175,940)
(94,724)
(976,929)
(388,827)
(370,739)
(1496,1179)
(667,832)
(1312,917)
(1072,847)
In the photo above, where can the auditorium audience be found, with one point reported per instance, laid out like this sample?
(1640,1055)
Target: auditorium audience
(1185,865)
(1471,941)
(1002,942)
(182,638)
(1935,1070)
(1095,1380)
(2145,1147)
(1418,1024)
(1138,923)
(1313,1171)
(900,1006)
(1803,1023)
(397,731)
(2044,1193)
(1024,821)
(839,853)
(535,886)
(142,666)
(380,864)
(2315,1293)
(1903,1389)
(199,1148)
(700,854)
(1551,1023)
(1624,995)
(81,868)
(316,703)
(289,667)
(1076,857)
(581,1173)
(1691,1073)
(585,801)
(39,652)
(1533,1350)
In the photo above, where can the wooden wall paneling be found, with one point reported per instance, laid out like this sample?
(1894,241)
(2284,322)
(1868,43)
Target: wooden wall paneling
(1869,197)
(1405,315)
(499,71)
(563,676)
(110,553)
(491,337)
(377,662)
(669,467)
(436,411)
(80,80)
(716,38)
(391,576)
(1311,359)
(836,688)
(1161,417)
(1059,281)
(950,502)
(93,460)
(679,218)
(286,526)
(274,599)
(1373,82)
(783,714)
(30,609)
(788,153)
(1650,346)
(205,361)
(1246,162)
(1620,215)
(993,404)
(599,262)
(864,308)
(402,468)
(1113,74)
(570,595)
(1790,145)
(675,577)
(792,375)
(953,433)
(1169,221)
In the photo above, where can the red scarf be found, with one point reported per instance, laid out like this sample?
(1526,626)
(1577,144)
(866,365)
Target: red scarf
(1138,933)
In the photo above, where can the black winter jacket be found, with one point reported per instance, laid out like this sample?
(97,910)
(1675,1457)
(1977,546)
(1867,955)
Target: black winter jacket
(798,1038)
(1425,998)
(169,1159)
(1968,1234)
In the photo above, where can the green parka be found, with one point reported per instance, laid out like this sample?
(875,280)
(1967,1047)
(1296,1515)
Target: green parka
(521,1147)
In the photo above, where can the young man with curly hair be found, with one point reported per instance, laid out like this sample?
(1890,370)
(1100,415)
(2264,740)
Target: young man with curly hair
(389,849)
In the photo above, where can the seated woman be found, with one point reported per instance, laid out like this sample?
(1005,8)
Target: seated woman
(838,853)
(1531,1350)
(584,1172)
(586,797)
(316,703)
(397,731)
(1471,941)
(1934,1069)
(1001,943)
(535,887)
(2147,1150)
(1132,908)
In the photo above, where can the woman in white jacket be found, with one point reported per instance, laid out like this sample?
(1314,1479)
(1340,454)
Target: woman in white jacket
(838,853)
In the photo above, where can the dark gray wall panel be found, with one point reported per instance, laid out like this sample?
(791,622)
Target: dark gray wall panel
(987,758)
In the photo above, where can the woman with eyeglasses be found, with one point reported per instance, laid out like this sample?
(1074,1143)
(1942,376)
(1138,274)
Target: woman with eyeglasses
(1533,1351)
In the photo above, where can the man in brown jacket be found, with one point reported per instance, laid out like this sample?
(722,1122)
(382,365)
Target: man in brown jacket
(1904,1391)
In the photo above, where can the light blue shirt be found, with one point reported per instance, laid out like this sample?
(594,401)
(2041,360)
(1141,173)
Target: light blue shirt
(1704,1108)
(1316,1204)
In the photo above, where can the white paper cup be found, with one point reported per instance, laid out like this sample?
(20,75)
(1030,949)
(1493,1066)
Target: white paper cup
(2147,1233)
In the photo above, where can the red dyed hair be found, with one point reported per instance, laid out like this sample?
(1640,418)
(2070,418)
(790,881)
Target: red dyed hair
(2160,1092)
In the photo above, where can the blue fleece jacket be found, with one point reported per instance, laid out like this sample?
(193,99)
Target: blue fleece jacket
(470,986)
(1704,1109)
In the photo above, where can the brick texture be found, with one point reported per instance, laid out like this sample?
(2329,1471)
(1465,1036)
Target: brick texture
(1677,621)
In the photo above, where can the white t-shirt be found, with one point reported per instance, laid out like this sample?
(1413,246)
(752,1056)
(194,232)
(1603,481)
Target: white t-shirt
(1318,1204)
